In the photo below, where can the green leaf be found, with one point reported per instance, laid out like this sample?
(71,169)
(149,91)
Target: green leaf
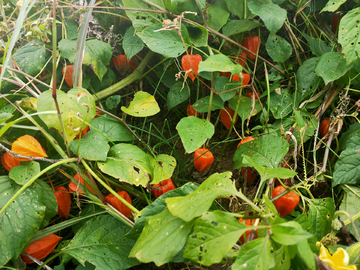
(217,14)
(223,88)
(321,215)
(129,164)
(87,211)
(244,107)
(299,120)
(164,166)
(143,105)
(195,204)
(140,19)
(30,58)
(49,201)
(267,173)
(179,6)
(307,78)
(270,207)
(272,15)
(202,105)
(112,103)
(165,42)
(255,255)
(23,173)
(97,54)
(331,66)
(306,254)
(278,48)
(4,117)
(349,35)
(161,239)
(347,167)
(71,29)
(219,62)
(333,5)
(289,233)
(194,132)
(351,204)
(351,131)
(237,7)
(76,106)
(108,79)
(282,259)
(177,95)
(317,46)
(267,151)
(113,130)
(158,206)
(305,223)
(101,242)
(211,231)
(21,220)
(281,104)
(198,35)
(92,146)
(132,44)
(234,27)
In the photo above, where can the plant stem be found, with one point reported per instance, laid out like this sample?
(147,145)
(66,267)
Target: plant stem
(87,167)
(54,56)
(127,81)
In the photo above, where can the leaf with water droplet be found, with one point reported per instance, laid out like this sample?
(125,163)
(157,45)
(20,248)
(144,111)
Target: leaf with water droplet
(21,220)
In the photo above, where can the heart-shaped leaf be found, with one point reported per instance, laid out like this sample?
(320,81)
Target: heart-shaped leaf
(143,105)
(76,106)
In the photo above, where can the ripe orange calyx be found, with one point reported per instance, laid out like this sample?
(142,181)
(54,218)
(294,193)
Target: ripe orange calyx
(191,62)
(120,206)
(9,161)
(285,204)
(203,159)
(68,73)
(39,249)
(251,43)
(162,187)
(73,186)
(63,199)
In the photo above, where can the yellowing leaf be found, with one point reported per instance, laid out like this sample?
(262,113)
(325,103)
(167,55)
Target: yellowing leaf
(143,105)
(28,146)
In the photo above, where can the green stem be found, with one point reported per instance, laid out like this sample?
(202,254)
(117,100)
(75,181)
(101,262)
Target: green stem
(109,188)
(249,202)
(211,99)
(211,92)
(232,123)
(236,109)
(127,81)
(268,94)
(32,180)
(50,139)
(54,56)
(60,226)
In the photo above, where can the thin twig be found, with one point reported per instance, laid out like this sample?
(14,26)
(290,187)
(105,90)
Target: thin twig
(28,157)
(317,129)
